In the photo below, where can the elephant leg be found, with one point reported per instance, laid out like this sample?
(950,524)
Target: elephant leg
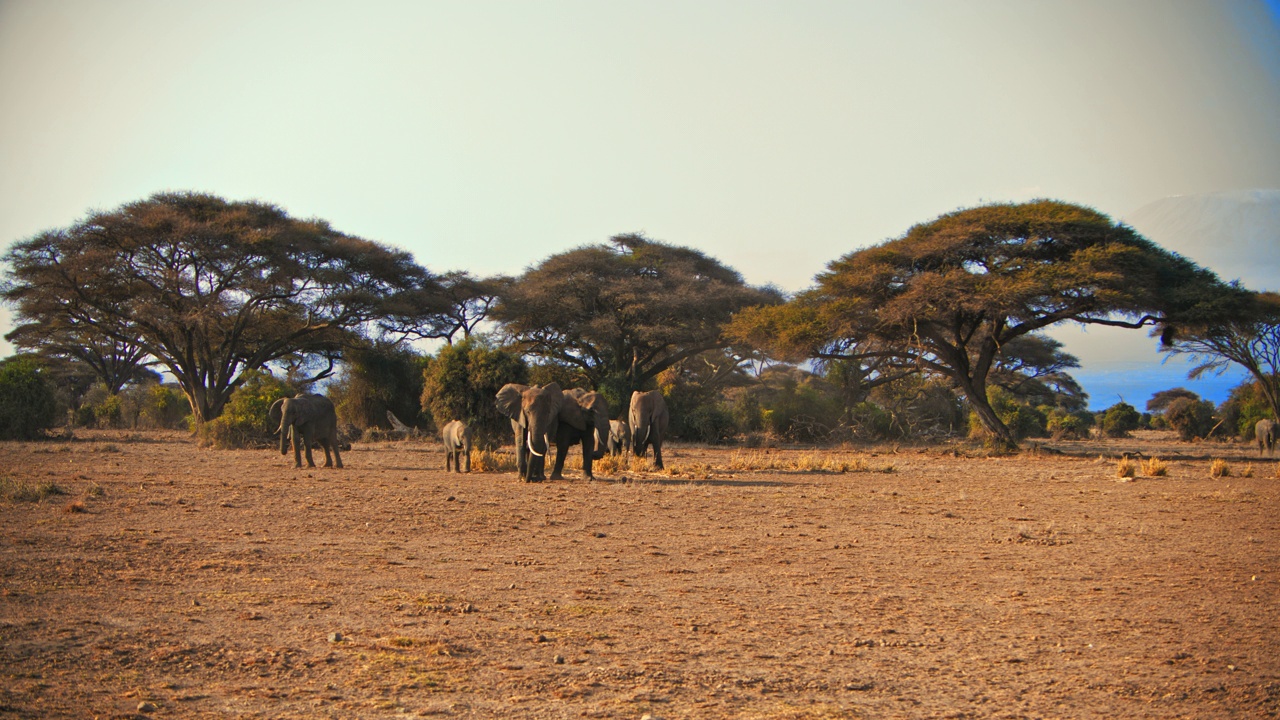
(587,458)
(522,456)
(328,461)
(337,452)
(657,455)
(306,443)
(562,450)
(448,460)
(297,450)
(468,456)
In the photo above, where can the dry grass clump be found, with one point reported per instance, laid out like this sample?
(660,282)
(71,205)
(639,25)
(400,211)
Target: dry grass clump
(806,462)
(1126,468)
(1247,471)
(1220,469)
(23,491)
(1155,467)
(488,461)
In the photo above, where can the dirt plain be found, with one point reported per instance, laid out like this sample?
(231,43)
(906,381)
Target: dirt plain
(173,581)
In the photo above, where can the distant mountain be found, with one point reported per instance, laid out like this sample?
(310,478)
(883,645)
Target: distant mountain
(1235,234)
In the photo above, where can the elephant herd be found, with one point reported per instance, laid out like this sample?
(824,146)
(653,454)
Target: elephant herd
(540,417)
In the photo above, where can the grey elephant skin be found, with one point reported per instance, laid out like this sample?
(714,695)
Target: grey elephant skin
(544,415)
(649,420)
(1265,433)
(619,437)
(457,445)
(307,418)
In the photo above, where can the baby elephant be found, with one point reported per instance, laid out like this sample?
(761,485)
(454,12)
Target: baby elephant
(457,445)
(1265,433)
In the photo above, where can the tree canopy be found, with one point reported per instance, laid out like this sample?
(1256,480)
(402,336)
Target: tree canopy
(623,312)
(951,294)
(208,289)
(1249,338)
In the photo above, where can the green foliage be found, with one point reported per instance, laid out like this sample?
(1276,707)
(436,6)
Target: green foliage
(709,423)
(27,402)
(461,383)
(1191,418)
(378,377)
(1064,425)
(1244,407)
(1120,419)
(245,420)
(162,406)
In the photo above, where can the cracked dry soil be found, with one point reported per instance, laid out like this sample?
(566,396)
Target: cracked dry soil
(174,581)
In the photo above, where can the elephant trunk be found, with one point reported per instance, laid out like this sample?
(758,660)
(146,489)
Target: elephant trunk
(284,438)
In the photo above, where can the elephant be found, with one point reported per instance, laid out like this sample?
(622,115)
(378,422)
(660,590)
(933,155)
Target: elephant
(457,445)
(619,437)
(649,419)
(543,415)
(1265,433)
(307,418)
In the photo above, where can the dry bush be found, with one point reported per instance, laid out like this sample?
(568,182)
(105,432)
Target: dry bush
(1155,467)
(489,461)
(1126,468)
(1247,471)
(1220,469)
(22,491)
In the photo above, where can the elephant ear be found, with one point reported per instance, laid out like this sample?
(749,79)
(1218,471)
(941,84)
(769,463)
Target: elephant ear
(509,398)
(573,411)
(276,411)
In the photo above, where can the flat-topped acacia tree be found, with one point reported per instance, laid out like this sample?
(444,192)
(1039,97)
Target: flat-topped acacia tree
(622,312)
(210,289)
(949,294)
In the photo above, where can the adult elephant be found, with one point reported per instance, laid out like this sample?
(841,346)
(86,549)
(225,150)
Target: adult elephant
(619,437)
(1265,433)
(307,418)
(649,419)
(457,445)
(544,415)
(584,419)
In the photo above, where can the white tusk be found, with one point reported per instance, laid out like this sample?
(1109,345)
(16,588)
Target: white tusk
(530,444)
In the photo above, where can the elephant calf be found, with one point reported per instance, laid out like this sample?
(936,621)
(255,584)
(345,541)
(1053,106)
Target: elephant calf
(619,437)
(1265,433)
(457,445)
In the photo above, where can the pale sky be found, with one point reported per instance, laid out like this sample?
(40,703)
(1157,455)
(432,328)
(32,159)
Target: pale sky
(774,136)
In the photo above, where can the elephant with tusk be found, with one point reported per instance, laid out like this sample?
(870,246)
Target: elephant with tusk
(307,418)
(544,415)
(649,420)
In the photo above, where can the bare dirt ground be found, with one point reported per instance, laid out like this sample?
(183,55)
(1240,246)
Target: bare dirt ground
(173,581)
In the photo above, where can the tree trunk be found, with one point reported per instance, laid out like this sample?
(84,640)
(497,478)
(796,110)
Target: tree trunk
(1001,436)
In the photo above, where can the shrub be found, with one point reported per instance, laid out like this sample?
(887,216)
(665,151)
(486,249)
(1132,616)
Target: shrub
(27,402)
(1126,468)
(244,421)
(705,423)
(1120,419)
(1190,418)
(1220,469)
(1063,425)
(1154,467)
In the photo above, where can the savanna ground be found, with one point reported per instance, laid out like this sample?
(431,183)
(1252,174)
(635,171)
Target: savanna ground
(165,580)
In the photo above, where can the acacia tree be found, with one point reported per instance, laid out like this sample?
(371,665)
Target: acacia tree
(950,294)
(623,312)
(209,289)
(1250,339)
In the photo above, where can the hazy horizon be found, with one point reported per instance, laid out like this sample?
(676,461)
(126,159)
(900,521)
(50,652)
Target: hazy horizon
(486,136)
